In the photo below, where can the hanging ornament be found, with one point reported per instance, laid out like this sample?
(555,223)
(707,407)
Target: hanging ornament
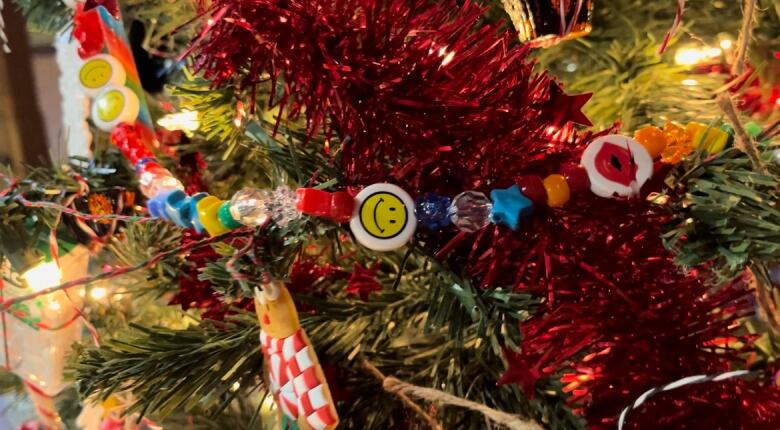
(384,218)
(616,165)
(294,373)
(37,333)
(543,23)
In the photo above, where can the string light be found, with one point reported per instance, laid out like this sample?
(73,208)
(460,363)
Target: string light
(98,293)
(185,120)
(42,276)
(690,56)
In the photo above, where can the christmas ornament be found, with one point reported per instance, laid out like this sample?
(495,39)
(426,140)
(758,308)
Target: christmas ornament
(543,23)
(294,373)
(384,218)
(38,333)
(616,165)
(107,58)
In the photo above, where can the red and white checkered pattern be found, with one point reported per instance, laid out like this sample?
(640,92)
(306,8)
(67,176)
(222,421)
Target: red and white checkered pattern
(295,381)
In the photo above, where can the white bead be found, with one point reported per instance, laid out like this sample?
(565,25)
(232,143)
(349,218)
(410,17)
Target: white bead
(115,105)
(383,219)
(616,165)
(100,71)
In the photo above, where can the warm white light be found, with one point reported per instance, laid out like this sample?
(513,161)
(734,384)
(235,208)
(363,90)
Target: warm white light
(693,56)
(98,293)
(185,120)
(690,82)
(726,44)
(43,276)
(55,306)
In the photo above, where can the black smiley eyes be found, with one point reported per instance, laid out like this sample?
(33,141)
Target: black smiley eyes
(392,209)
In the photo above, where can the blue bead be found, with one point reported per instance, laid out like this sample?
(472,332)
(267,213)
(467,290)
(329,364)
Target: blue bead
(177,208)
(431,211)
(510,206)
(193,212)
(156,205)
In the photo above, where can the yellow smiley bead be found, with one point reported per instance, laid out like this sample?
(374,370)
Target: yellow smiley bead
(712,139)
(557,190)
(208,209)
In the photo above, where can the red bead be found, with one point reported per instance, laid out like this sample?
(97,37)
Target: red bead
(577,177)
(532,187)
(126,138)
(88,32)
(336,206)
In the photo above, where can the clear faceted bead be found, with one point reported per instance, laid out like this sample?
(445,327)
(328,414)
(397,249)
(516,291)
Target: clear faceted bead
(248,206)
(470,211)
(282,205)
(152,181)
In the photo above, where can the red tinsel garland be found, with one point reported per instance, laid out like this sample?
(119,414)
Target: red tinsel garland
(434,101)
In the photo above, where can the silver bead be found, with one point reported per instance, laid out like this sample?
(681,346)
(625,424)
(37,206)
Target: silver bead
(282,205)
(470,211)
(248,206)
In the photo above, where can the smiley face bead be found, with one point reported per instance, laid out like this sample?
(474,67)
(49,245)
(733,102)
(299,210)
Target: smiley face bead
(114,105)
(383,218)
(99,71)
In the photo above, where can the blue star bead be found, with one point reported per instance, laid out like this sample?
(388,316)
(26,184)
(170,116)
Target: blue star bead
(510,206)
(431,211)
(177,208)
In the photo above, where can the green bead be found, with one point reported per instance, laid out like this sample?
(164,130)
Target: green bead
(224,216)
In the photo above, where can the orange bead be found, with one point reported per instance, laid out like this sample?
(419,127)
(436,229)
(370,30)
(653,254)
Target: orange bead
(557,191)
(653,139)
(680,143)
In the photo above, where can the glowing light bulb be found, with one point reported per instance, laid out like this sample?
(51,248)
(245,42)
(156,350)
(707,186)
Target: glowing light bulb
(690,82)
(726,44)
(186,120)
(691,56)
(43,276)
(98,293)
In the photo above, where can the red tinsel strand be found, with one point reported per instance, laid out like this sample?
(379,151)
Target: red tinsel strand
(412,81)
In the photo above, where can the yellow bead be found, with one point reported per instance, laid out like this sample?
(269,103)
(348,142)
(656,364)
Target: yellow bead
(208,208)
(557,190)
(713,139)
(653,139)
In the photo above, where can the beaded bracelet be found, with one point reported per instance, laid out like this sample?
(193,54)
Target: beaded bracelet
(382,216)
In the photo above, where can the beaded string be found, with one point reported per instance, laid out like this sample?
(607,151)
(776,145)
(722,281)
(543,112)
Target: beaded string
(382,216)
